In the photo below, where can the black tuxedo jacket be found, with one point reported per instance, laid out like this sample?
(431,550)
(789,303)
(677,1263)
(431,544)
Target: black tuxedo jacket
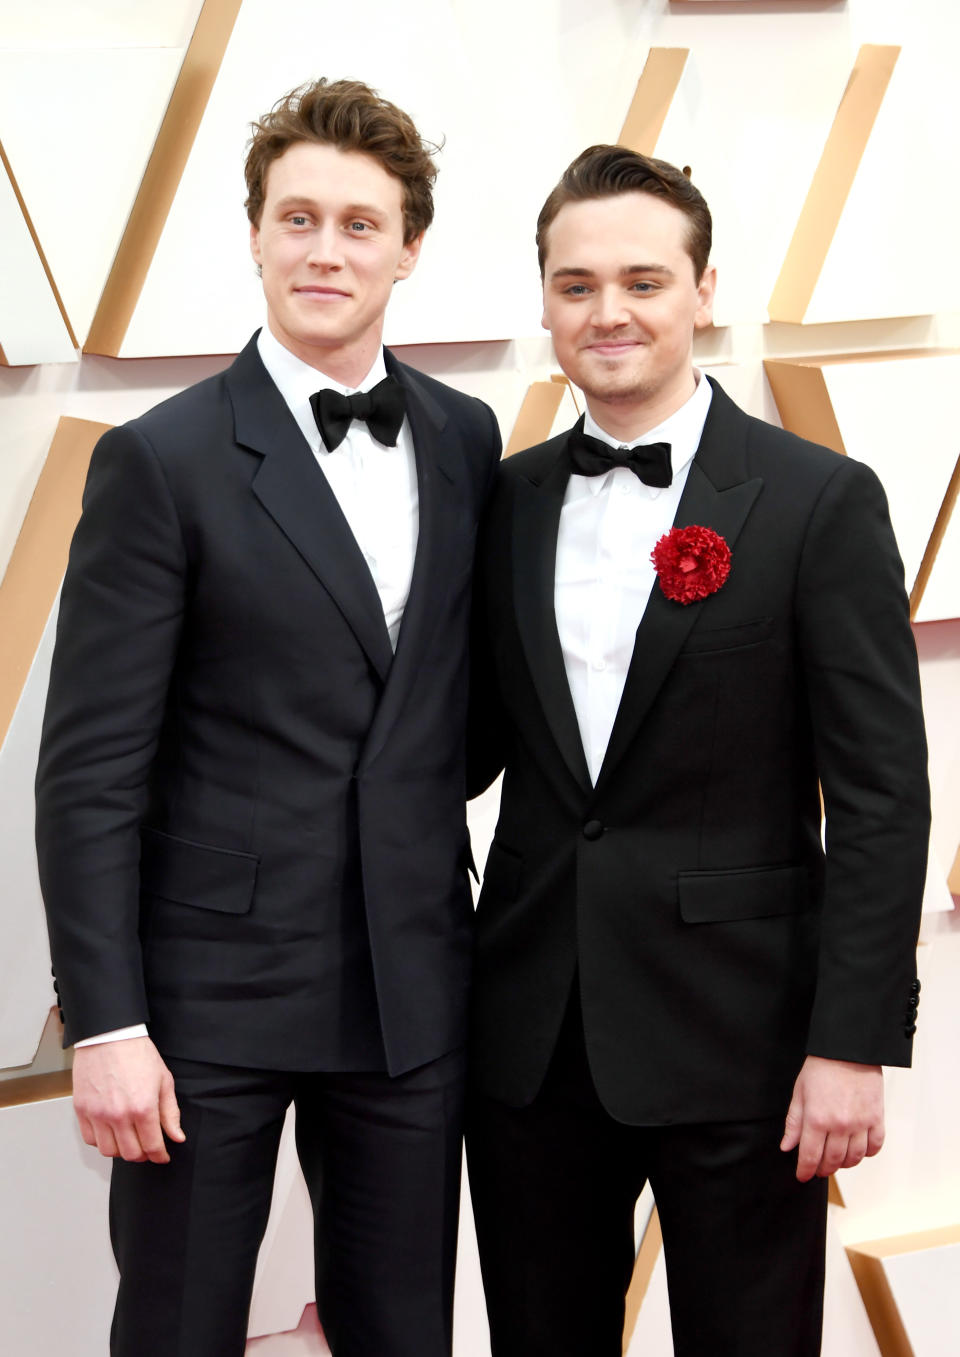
(715,943)
(250,817)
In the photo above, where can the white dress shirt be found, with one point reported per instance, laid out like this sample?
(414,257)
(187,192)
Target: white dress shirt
(375,486)
(609,525)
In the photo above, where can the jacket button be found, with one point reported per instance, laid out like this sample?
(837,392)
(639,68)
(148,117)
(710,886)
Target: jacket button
(913,1002)
(909,1031)
(593,829)
(915,987)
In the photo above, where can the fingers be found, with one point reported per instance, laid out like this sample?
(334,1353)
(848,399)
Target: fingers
(124,1098)
(793,1127)
(810,1153)
(875,1138)
(856,1149)
(170,1111)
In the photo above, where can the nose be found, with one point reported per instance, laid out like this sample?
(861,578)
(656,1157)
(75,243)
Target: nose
(326,247)
(609,312)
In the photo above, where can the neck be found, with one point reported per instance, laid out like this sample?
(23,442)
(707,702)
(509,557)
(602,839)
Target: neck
(628,418)
(347,364)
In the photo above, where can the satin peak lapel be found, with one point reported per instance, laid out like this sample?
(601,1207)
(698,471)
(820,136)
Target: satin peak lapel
(536,523)
(438,469)
(665,624)
(297,496)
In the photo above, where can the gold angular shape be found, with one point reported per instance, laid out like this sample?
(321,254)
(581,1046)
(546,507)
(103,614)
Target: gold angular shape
(651,102)
(803,401)
(28,221)
(39,558)
(867,1260)
(647,1255)
(162,176)
(536,415)
(832,182)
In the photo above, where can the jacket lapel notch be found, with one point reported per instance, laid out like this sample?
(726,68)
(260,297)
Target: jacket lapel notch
(297,496)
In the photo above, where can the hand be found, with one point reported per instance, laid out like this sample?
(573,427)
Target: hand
(835,1116)
(124,1100)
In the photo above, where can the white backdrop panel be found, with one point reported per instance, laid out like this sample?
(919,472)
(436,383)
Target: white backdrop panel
(512,113)
(898,416)
(751,123)
(26,991)
(941,598)
(57,1275)
(924,1286)
(79,198)
(97,23)
(893,249)
(31,326)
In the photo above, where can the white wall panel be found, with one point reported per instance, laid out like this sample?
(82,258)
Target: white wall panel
(111,102)
(26,991)
(941,598)
(97,23)
(924,1286)
(892,251)
(898,416)
(512,114)
(57,1276)
(32,328)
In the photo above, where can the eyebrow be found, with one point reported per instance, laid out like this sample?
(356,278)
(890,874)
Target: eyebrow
(625,272)
(350,210)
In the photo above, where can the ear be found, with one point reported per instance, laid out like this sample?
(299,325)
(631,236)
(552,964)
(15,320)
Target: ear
(255,243)
(706,289)
(408,258)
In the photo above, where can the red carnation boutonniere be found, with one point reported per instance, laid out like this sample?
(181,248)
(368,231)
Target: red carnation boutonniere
(691,563)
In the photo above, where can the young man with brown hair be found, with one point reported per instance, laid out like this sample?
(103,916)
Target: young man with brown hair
(250,821)
(687,620)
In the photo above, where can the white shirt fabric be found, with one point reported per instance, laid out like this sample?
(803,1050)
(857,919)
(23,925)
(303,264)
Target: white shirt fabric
(375,486)
(609,525)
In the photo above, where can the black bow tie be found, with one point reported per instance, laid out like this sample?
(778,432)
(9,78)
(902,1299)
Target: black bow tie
(381,409)
(592,457)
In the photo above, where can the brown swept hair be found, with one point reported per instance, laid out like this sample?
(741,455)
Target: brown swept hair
(352,117)
(605,171)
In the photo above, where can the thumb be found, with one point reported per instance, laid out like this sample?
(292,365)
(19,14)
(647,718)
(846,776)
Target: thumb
(794,1123)
(170,1110)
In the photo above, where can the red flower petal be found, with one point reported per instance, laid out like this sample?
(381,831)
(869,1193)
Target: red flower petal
(691,563)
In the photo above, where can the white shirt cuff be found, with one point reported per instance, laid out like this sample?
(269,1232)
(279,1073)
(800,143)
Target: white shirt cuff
(121,1034)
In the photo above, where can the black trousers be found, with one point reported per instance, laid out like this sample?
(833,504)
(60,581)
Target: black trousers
(554,1187)
(381,1158)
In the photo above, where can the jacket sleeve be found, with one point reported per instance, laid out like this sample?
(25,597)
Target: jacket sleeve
(863,686)
(119,624)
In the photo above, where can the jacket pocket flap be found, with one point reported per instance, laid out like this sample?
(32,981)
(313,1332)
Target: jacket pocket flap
(502,870)
(196,873)
(753,893)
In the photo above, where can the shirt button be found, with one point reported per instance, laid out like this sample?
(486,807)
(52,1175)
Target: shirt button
(593,829)
(599,663)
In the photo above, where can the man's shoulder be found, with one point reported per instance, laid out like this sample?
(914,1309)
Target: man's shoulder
(771,451)
(453,402)
(534,463)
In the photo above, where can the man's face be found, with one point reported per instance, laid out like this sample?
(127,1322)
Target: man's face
(621,301)
(330,245)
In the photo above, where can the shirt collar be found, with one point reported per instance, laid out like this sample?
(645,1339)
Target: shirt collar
(682,430)
(297,380)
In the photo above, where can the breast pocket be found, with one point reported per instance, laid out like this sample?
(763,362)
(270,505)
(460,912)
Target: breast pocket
(708,641)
